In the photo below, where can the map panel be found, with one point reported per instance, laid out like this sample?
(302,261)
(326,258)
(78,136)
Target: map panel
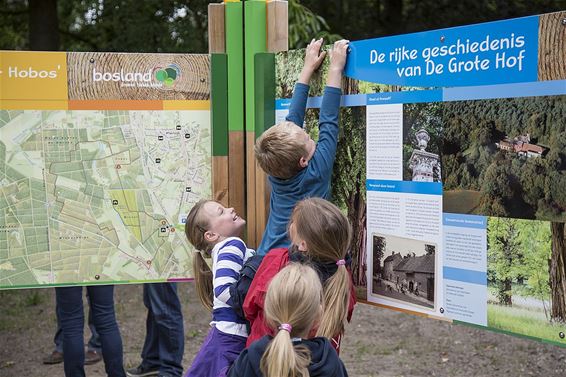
(99,196)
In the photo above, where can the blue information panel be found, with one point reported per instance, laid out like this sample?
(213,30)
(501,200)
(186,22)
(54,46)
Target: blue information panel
(491,53)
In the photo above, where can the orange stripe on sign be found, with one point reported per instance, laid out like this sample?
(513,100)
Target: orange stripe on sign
(115,105)
(186,105)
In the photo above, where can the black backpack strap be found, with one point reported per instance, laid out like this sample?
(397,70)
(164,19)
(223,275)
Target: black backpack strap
(239,290)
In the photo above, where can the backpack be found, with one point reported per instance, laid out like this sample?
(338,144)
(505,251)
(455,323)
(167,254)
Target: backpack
(239,290)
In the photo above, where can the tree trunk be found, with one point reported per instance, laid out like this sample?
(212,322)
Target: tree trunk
(357,217)
(360,237)
(558,273)
(43,25)
(504,292)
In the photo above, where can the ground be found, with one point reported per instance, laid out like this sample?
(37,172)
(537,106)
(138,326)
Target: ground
(378,342)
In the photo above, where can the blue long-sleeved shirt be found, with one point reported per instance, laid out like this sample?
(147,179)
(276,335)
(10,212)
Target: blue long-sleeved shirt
(313,180)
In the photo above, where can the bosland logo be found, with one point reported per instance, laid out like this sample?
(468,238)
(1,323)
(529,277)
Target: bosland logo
(126,78)
(168,76)
(158,77)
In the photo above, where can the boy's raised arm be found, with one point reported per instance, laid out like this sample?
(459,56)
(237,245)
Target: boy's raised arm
(313,59)
(323,158)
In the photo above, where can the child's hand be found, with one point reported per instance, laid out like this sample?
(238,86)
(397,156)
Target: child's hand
(338,55)
(313,56)
(313,59)
(337,63)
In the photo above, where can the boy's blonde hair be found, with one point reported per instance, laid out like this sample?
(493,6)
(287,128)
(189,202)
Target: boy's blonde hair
(278,150)
(196,226)
(294,297)
(327,234)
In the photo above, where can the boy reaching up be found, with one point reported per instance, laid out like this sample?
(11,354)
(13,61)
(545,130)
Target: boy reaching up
(298,167)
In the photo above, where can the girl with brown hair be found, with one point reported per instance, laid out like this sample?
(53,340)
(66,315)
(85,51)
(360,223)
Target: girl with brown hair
(320,235)
(213,230)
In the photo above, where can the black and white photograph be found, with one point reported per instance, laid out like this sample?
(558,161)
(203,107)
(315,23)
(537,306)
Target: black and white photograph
(404,270)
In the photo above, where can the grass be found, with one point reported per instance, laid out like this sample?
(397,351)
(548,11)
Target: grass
(461,201)
(526,322)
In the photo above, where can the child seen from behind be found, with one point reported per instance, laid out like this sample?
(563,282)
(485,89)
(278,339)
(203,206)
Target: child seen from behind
(293,305)
(321,236)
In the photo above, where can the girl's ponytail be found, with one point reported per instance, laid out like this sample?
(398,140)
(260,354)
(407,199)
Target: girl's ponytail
(282,359)
(327,234)
(195,228)
(336,302)
(203,280)
(293,304)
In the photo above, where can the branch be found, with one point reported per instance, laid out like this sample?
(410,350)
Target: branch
(78,38)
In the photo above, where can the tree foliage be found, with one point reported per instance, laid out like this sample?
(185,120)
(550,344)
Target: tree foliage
(115,25)
(518,255)
(378,250)
(181,26)
(305,25)
(363,19)
(510,185)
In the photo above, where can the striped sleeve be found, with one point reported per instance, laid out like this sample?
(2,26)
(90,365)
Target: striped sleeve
(227,268)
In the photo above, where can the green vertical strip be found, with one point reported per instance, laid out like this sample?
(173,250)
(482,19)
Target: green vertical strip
(255,42)
(219,104)
(235,52)
(264,92)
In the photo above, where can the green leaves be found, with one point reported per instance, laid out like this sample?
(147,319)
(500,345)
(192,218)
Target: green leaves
(305,25)
(518,255)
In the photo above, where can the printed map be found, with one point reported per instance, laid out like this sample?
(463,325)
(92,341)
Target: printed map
(99,196)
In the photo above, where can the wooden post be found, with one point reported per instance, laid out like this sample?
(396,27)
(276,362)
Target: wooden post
(216,31)
(277,40)
(250,78)
(235,79)
(219,102)
(552,46)
(265,118)
(277,26)
(255,42)
(219,122)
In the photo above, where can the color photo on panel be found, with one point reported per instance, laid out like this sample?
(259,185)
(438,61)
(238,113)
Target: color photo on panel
(506,157)
(522,284)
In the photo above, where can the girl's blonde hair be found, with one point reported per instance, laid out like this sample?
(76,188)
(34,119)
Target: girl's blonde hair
(294,297)
(195,228)
(327,234)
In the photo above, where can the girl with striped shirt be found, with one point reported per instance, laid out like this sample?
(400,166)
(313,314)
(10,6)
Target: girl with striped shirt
(213,230)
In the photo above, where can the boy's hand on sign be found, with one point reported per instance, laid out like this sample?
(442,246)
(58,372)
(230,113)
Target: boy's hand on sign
(313,59)
(313,56)
(338,55)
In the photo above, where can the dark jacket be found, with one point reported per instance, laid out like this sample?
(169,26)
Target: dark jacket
(324,359)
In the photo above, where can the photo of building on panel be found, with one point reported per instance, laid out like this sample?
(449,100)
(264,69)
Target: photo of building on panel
(404,270)
(505,158)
